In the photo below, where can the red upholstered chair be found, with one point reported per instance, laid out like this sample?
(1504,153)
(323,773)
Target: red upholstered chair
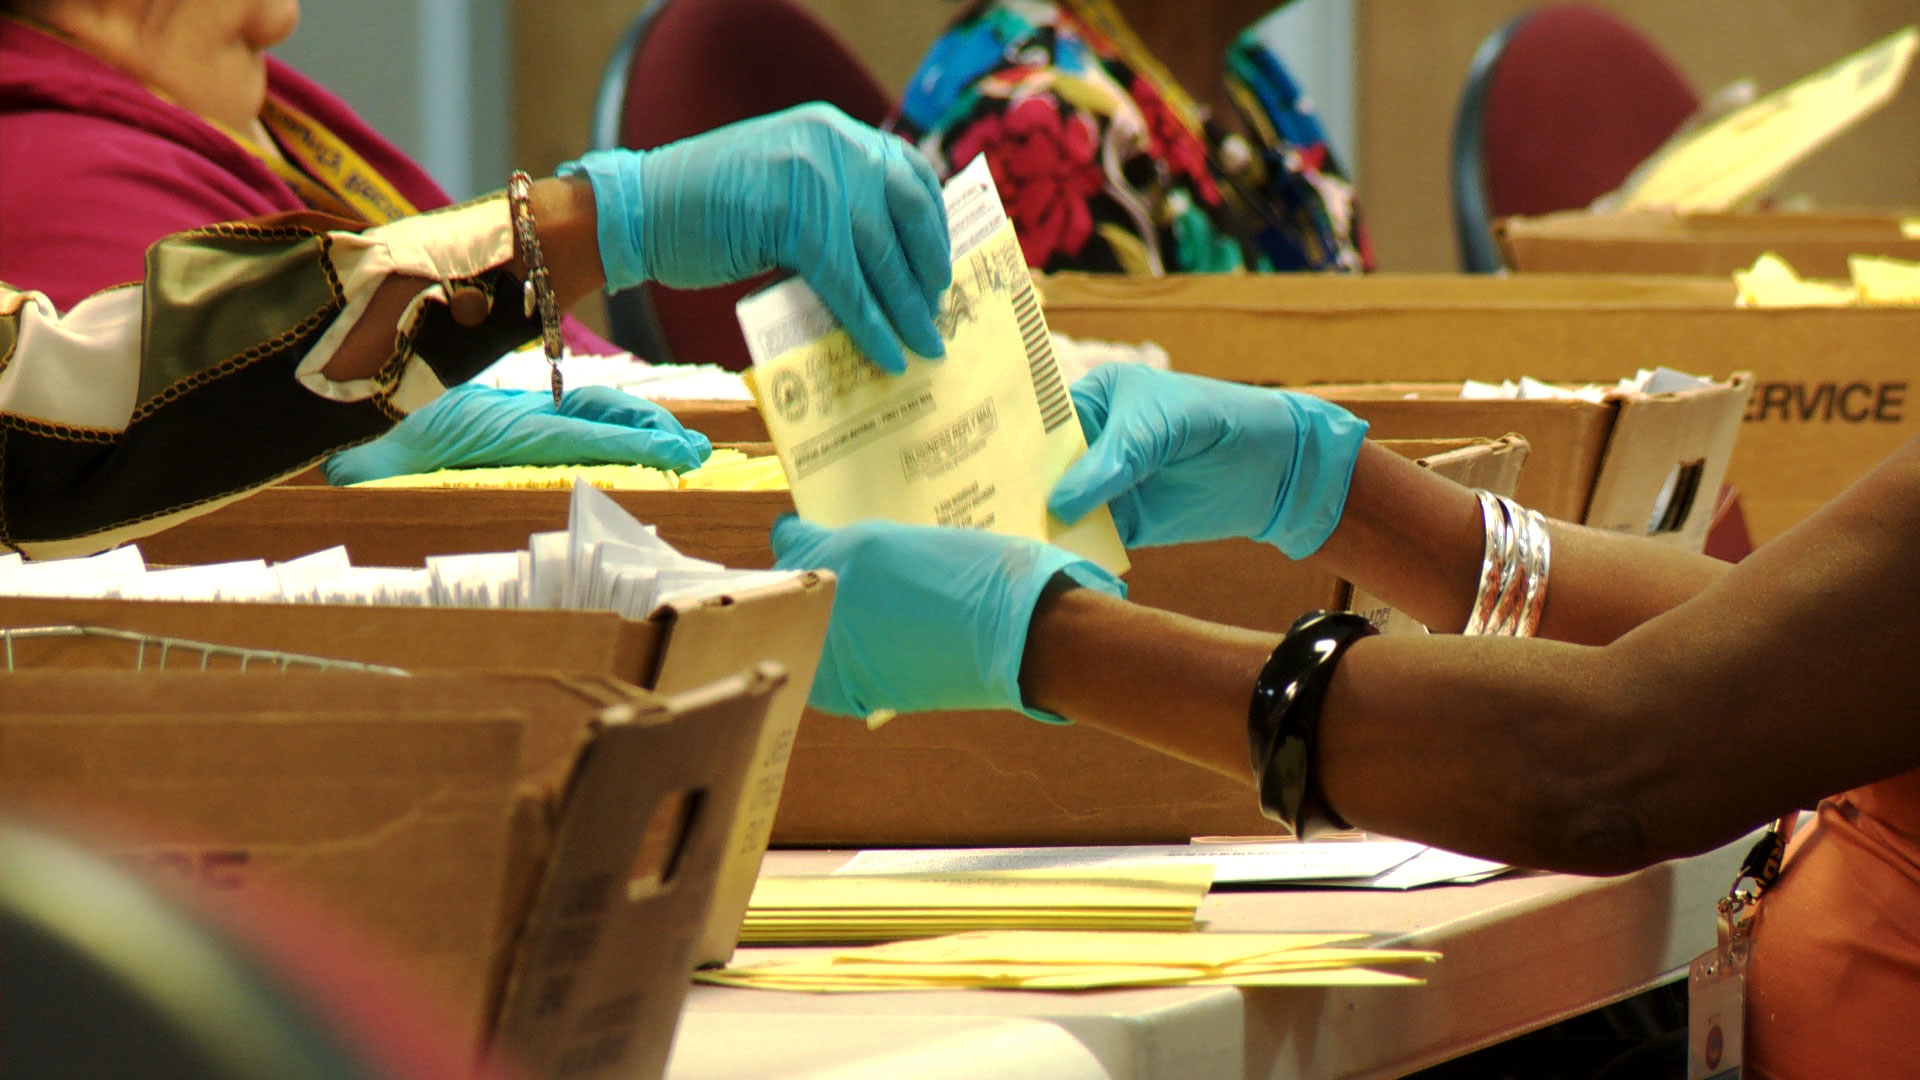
(688,66)
(1560,106)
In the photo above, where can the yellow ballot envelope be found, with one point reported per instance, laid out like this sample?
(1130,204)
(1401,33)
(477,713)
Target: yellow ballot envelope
(1727,162)
(976,440)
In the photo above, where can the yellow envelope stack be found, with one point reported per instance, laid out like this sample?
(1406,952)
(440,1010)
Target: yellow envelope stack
(843,907)
(1088,960)
(726,470)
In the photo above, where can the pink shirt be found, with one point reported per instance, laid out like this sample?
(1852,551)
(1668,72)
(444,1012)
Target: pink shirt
(94,168)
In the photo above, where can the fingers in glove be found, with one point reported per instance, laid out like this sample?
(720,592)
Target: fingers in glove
(842,286)
(1091,398)
(1107,471)
(611,405)
(919,216)
(892,284)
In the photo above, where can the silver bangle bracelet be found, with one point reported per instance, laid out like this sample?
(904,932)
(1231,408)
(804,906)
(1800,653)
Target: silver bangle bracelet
(1514,564)
(1537,568)
(1484,596)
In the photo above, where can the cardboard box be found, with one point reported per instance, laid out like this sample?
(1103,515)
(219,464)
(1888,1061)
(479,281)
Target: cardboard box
(1002,775)
(1635,463)
(687,645)
(720,421)
(1704,245)
(542,849)
(998,778)
(1831,386)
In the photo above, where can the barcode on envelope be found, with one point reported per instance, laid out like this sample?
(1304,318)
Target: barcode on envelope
(1049,389)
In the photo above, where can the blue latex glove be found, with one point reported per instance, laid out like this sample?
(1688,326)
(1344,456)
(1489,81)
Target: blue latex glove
(924,617)
(472,425)
(855,211)
(1180,458)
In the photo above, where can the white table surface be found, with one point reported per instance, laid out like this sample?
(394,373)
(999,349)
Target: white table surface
(1521,951)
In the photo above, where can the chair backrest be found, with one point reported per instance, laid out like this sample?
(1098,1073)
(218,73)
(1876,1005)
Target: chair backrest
(1560,105)
(688,66)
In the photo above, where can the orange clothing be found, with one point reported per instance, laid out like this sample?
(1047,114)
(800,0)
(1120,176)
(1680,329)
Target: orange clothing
(1834,985)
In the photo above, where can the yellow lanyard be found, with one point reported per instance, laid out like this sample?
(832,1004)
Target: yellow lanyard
(321,169)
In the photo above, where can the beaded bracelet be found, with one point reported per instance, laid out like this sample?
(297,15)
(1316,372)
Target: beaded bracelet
(538,294)
(1283,719)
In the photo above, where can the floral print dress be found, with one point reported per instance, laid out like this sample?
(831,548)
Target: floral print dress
(1106,164)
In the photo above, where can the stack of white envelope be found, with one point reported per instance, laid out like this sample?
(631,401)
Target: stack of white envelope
(604,561)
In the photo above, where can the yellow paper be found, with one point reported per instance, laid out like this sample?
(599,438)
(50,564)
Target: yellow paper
(1885,282)
(842,907)
(725,470)
(975,440)
(1117,887)
(1183,949)
(1771,283)
(1351,976)
(1729,161)
(1085,961)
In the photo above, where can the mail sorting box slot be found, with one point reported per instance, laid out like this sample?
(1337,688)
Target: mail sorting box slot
(844,784)
(684,646)
(1831,394)
(1709,245)
(540,850)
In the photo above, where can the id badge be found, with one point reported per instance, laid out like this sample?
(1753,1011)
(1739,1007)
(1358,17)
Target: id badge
(1717,1012)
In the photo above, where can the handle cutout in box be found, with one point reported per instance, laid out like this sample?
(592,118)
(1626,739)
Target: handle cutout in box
(670,829)
(1674,505)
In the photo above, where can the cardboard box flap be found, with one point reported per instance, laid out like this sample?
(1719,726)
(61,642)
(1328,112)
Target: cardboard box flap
(1494,464)
(417,639)
(1666,460)
(397,526)
(610,941)
(705,642)
(393,814)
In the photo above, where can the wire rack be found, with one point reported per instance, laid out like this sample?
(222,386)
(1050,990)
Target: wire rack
(155,652)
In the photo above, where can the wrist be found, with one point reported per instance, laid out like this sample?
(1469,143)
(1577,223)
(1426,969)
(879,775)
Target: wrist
(613,179)
(1283,719)
(1066,589)
(1319,472)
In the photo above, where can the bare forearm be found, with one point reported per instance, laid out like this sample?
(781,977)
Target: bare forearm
(1441,744)
(1416,540)
(1178,685)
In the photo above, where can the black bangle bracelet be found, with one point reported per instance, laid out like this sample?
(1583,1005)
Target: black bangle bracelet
(1283,720)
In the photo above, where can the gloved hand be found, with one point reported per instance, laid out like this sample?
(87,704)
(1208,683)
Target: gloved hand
(477,425)
(924,617)
(855,211)
(1180,458)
